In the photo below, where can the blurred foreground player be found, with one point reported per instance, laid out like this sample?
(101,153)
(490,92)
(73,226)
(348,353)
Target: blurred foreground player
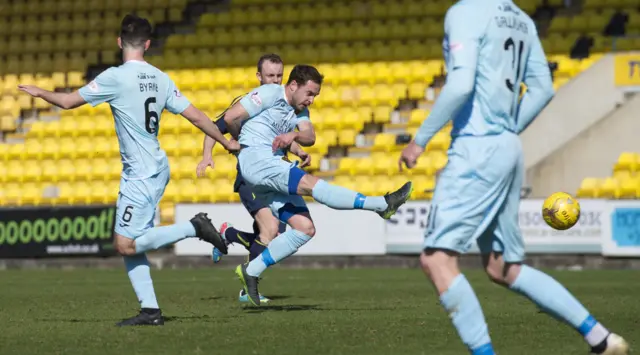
(265,226)
(491,46)
(138,93)
(266,120)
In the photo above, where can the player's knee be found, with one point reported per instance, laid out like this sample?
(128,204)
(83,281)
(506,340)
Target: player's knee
(495,273)
(123,245)
(436,262)
(303,225)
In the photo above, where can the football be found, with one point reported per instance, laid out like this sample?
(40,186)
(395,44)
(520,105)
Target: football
(561,211)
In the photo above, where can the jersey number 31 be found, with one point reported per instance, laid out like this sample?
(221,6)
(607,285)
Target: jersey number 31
(516,64)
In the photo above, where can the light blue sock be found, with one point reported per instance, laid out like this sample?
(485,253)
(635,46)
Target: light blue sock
(158,237)
(140,276)
(553,298)
(340,198)
(279,249)
(464,309)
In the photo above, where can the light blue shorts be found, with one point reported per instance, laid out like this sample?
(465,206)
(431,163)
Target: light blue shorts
(274,181)
(477,197)
(137,204)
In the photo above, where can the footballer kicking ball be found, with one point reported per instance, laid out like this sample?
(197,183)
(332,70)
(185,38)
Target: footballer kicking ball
(561,211)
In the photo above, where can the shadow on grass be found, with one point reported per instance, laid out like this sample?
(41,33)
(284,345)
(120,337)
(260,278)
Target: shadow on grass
(284,308)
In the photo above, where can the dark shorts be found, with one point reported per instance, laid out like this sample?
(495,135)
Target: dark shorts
(249,199)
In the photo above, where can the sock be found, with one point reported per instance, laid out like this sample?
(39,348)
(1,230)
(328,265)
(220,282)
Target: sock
(158,237)
(245,239)
(340,198)
(140,276)
(256,249)
(464,310)
(557,301)
(279,249)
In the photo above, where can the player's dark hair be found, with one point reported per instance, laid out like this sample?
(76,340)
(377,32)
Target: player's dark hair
(302,73)
(271,57)
(135,31)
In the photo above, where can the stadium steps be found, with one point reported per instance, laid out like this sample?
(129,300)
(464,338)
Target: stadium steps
(575,108)
(190,16)
(591,153)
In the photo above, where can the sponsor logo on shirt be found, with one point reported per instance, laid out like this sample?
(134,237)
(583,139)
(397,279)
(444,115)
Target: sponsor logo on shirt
(177,93)
(255,98)
(93,86)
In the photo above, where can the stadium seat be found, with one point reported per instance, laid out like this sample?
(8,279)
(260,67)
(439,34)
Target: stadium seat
(589,188)
(610,189)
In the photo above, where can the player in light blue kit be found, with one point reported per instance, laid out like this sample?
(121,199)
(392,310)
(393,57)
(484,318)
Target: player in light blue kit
(138,93)
(268,117)
(491,47)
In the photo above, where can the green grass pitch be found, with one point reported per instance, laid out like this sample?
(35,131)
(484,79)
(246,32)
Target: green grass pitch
(354,311)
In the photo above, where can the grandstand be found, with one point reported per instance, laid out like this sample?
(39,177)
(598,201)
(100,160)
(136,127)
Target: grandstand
(382,63)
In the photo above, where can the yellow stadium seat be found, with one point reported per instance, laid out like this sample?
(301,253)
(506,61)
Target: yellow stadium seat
(417,117)
(346,166)
(83,170)
(223,191)
(365,185)
(627,161)
(84,148)
(384,142)
(609,189)
(31,195)
(440,141)
(382,114)
(363,166)
(15,171)
(3,172)
(205,190)
(629,188)
(438,160)
(49,171)
(187,191)
(347,137)
(4,151)
(16,151)
(13,193)
(384,164)
(33,149)
(81,193)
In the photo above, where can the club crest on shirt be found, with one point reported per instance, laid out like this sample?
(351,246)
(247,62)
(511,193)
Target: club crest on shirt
(255,98)
(93,86)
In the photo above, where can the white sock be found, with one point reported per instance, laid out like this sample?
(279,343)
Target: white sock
(597,335)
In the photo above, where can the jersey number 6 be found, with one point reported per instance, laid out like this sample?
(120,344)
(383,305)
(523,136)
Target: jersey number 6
(150,117)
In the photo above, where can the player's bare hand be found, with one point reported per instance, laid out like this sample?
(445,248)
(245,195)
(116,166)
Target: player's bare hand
(306,158)
(283,141)
(232,146)
(409,156)
(202,166)
(31,90)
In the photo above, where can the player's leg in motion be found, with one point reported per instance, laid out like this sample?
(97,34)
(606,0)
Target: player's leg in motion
(265,226)
(503,252)
(134,236)
(340,198)
(470,191)
(286,244)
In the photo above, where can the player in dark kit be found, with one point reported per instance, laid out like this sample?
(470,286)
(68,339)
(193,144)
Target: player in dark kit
(265,225)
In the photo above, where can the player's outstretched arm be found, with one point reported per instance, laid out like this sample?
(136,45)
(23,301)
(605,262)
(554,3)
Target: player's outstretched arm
(202,121)
(63,100)
(537,78)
